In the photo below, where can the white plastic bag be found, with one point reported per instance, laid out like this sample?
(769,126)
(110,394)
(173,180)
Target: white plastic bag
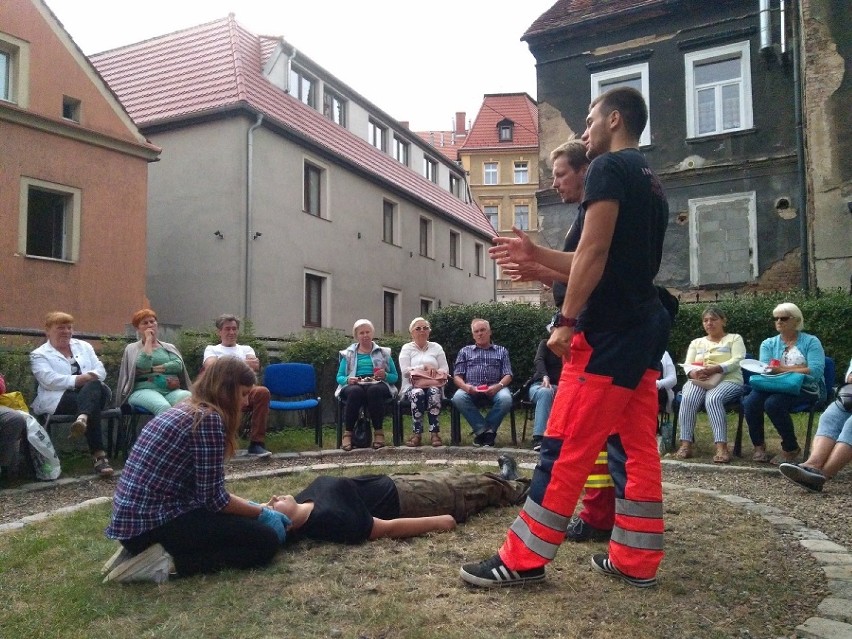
(44,458)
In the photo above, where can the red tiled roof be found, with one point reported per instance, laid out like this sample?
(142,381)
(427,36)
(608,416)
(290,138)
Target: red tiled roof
(447,142)
(217,66)
(517,107)
(572,13)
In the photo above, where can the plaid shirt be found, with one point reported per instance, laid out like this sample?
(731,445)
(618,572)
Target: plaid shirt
(173,469)
(479,366)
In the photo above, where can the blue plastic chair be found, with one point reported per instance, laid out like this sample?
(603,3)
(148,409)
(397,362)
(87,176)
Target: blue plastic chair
(296,386)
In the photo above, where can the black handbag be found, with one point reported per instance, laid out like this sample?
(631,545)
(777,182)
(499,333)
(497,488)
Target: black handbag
(362,433)
(844,397)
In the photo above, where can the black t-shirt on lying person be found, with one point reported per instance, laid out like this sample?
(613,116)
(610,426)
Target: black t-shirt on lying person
(344,507)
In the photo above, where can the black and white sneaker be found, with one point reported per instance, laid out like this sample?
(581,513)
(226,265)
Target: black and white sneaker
(256,449)
(536,443)
(579,530)
(493,573)
(508,467)
(804,476)
(602,564)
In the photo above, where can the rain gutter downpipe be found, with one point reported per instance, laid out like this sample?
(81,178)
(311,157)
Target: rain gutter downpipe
(249,213)
(800,145)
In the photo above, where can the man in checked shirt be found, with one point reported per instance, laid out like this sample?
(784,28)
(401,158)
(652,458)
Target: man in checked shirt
(482,373)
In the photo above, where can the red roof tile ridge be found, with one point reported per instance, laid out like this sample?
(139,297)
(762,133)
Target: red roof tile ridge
(165,36)
(239,75)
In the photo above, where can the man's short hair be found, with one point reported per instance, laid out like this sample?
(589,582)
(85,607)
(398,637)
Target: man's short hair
(629,103)
(575,153)
(477,320)
(224,319)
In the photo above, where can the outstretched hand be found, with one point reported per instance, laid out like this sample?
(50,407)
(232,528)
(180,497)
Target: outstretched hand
(517,251)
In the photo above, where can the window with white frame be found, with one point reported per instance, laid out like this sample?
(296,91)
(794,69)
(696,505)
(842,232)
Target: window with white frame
(430,169)
(506,130)
(490,173)
(455,249)
(492,213)
(5,76)
(313,188)
(316,288)
(635,76)
(14,70)
(49,220)
(400,149)
(718,90)
(377,135)
(334,107)
(389,225)
(391,308)
(522,216)
(723,239)
(522,172)
(303,87)
(478,252)
(425,237)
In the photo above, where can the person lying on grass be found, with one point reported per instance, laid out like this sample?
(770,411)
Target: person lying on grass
(352,510)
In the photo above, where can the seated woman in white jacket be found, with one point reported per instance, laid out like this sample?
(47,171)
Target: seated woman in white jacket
(425,360)
(71,382)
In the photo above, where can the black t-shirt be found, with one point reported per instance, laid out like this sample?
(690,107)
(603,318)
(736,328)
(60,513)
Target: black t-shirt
(344,507)
(572,238)
(625,294)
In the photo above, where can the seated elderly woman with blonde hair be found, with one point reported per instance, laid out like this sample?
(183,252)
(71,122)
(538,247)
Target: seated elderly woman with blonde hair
(152,374)
(424,369)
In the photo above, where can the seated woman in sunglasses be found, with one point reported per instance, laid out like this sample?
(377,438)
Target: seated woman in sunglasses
(424,369)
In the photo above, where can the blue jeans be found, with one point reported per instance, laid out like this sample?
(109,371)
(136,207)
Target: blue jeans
(836,423)
(777,406)
(543,399)
(469,405)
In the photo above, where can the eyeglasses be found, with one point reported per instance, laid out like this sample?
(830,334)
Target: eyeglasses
(781,319)
(422,328)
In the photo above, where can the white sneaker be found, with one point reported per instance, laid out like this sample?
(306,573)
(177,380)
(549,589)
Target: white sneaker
(119,557)
(153,564)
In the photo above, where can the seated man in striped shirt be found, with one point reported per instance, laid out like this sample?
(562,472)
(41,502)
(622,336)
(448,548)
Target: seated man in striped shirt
(482,374)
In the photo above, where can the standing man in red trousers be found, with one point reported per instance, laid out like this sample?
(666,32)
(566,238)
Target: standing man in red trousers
(612,331)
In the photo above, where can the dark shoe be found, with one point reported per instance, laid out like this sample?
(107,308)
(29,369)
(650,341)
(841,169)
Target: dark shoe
(508,467)
(579,530)
(493,573)
(536,443)
(488,439)
(102,467)
(806,477)
(256,449)
(479,439)
(602,564)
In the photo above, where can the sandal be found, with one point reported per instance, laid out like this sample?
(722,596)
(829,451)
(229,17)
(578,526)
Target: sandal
(102,467)
(346,444)
(414,442)
(378,439)
(722,455)
(685,450)
(760,454)
(436,439)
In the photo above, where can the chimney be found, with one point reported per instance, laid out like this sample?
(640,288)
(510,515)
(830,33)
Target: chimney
(460,117)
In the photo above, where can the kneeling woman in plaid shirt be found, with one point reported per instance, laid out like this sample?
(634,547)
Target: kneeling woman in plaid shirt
(171,511)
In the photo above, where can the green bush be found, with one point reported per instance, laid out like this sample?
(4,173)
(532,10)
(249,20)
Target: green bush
(518,327)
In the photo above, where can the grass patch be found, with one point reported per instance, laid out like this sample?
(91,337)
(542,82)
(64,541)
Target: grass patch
(726,573)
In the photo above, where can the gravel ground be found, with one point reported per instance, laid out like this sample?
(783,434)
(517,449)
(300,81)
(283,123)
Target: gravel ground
(827,512)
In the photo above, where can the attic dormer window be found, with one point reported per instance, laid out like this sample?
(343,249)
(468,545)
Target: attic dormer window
(506,129)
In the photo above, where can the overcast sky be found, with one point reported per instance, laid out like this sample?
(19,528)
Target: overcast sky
(418,61)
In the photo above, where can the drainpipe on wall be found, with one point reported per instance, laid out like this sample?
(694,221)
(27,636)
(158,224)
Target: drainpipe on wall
(249,211)
(800,145)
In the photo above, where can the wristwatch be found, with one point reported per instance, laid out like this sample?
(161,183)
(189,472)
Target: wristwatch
(560,320)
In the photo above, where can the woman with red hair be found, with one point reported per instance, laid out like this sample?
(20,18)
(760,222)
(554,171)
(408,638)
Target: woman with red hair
(152,374)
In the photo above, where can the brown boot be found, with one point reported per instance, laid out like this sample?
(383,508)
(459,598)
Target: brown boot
(414,442)
(436,439)
(378,439)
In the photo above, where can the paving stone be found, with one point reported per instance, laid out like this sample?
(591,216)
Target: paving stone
(838,572)
(836,608)
(840,588)
(704,491)
(783,520)
(833,557)
(326,466)
(809,533)
(436,462)
(14,525)
(819,628)
(818,545)
(735,499)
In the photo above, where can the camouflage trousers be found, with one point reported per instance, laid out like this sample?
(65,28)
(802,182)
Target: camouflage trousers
(452,492)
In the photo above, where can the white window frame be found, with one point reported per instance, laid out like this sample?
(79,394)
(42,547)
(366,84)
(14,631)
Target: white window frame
(455,185)
(627,73)
(377,134)
(486,172)
(496,207)
(71,218)
(401,149)
(515,216)
(18,72)
(694,239)
(522,168)
(301,76)
(325,300)
(741,49)
(430,169)
(334,106)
